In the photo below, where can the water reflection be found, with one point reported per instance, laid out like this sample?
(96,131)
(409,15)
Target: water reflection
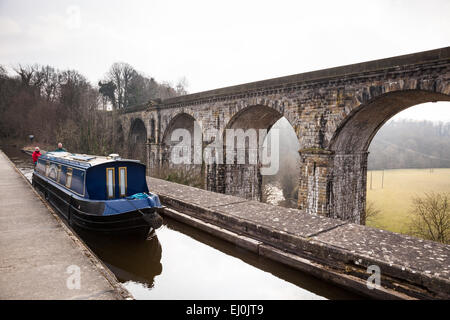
(180,262)
(197,265)
(263,268)
(130,259)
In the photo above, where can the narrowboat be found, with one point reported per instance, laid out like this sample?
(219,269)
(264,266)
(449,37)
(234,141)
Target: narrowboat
(102,194)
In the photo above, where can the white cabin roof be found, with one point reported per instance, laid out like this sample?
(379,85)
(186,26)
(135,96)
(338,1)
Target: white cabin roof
(92,160)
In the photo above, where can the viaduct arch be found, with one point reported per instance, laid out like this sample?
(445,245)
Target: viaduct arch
(137,137)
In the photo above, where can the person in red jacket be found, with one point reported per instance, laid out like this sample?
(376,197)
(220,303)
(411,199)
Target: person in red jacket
(36,154)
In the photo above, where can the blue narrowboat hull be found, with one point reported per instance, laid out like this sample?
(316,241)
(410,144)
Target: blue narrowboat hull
(133,219)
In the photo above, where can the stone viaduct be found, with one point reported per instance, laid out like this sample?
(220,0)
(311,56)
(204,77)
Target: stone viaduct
(335,113)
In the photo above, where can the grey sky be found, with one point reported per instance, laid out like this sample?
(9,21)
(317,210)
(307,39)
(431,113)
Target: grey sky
(218,43)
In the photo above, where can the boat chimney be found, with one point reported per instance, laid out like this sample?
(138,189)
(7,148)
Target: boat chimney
(114,156)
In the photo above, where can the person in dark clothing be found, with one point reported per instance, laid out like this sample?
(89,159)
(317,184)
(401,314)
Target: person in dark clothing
(36,154)
(60,148)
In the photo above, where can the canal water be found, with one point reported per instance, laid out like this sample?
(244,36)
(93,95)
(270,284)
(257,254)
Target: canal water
(180,262)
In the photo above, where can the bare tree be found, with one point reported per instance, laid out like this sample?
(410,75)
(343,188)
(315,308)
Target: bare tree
(165,90)
(181,87)
(121,75)
(3,72)
(26,73)
(73,87)
(124,87)
(371,214)
(49,82)
(30,78)
(431,217)
(142,89)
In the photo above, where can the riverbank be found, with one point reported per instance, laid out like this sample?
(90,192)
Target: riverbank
(40,258)
(391,192)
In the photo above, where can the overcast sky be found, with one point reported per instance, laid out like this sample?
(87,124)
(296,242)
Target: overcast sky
(219,43)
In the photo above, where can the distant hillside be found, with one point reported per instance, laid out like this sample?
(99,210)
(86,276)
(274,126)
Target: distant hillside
(411,144)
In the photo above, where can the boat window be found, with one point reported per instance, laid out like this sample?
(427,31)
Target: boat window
(123,181)
(69,177)
(110,182)
(58,177)
(53,172)
(47,168)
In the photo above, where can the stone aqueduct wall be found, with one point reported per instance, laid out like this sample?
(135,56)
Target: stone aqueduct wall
(334,112)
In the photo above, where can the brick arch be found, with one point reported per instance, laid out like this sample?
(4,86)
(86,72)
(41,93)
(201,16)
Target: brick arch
(137,139)
(182,119)
(138,129)
(358,128)
(346,189)
(274,108)
(255,116)
(243,177)
(119,137)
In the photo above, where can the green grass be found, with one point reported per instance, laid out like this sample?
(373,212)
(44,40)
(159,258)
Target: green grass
(394,199)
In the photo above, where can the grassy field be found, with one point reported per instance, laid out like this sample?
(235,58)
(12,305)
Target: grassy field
(394,199)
